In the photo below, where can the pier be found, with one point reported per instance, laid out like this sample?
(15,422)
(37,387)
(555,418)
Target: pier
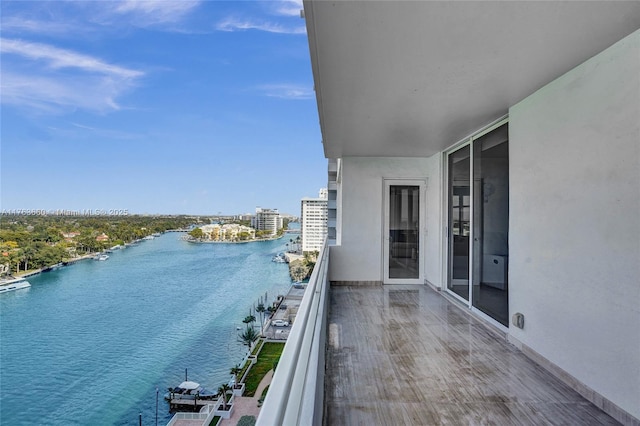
(182,404)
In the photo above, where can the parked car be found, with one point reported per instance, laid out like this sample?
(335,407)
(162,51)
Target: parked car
(280,323)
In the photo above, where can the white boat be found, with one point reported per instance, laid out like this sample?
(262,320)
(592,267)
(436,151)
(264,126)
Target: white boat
(101,256)
(13,284)
(189,390)
(53,267)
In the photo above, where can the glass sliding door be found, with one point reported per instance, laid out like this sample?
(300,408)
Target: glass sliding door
(478,222)
(491,224)
(459,166)
(404,219)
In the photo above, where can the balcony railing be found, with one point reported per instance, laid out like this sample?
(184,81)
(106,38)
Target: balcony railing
(296,393)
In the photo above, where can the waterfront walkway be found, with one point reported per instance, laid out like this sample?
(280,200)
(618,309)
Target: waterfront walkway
(248,405)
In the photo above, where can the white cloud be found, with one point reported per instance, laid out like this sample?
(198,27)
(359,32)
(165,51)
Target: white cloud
(149,12)
(288,7)
(68,19)
(281,23)
(233,24)
(100,132)
(49,79)
(287,91)
(82,126)
(20,25)
(61,58)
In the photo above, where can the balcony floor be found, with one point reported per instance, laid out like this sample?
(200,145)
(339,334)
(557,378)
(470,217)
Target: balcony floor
(407,355)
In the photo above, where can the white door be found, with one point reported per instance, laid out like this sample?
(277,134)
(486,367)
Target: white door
(404,231)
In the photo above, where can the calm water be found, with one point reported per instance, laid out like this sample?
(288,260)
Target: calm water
(90,343)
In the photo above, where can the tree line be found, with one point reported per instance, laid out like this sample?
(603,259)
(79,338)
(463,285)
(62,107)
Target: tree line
(33,242)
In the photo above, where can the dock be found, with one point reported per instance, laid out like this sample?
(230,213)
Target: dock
(182,404)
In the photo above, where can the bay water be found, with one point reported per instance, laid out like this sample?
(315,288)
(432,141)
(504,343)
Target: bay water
(90,343)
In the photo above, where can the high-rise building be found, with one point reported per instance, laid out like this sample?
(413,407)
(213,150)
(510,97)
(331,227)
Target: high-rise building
(313,217)
(267,220)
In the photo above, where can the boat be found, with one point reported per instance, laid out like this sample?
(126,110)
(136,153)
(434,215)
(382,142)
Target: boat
(279,258)
(189,390)
(13,284)
(53,267)
(101,256)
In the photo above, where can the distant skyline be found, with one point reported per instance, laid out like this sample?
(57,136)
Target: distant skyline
(189,107)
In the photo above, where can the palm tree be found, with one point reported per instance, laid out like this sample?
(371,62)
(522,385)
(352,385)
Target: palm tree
(27,255)
(248,336)
(261,309)
(15,258)
(249,318)
(222,390)
(235,370)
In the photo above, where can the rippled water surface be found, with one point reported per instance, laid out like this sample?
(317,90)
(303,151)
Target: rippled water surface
(89,344)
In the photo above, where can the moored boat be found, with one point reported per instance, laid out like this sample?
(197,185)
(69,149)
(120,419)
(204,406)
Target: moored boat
(101,256)
(189,390)
(14,284)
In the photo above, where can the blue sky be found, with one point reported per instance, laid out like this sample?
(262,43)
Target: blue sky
(193,107)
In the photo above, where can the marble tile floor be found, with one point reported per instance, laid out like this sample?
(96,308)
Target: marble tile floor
(401,355)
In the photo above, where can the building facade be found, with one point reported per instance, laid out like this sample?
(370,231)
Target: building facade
(267,220)
(228,232)
(491,150)
(313,221)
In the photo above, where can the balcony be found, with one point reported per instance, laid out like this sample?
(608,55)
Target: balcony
(408,355)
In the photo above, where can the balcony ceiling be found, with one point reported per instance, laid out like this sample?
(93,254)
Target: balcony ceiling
(410,78)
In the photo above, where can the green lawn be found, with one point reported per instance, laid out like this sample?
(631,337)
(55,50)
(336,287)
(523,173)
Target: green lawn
(269,354)
(248,363)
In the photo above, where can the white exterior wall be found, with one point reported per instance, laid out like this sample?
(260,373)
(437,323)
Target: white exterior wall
(358,257)
(313,223)
(433,268)
(574,257)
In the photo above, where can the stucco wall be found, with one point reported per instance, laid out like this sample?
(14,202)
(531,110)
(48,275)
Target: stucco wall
(575,222)
(435,229)
(359,255)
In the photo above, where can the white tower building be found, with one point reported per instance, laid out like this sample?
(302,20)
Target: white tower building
(313,217)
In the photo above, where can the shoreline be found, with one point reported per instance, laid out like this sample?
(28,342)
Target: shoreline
(48,268)
(78,259)
(232,242)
